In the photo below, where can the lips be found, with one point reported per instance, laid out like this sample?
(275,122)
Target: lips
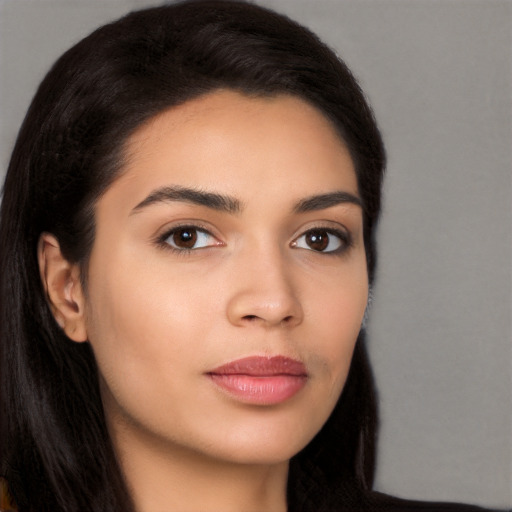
(261,380)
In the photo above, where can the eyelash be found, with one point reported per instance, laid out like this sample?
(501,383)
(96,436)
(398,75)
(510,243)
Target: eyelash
(162,240)
(344,237)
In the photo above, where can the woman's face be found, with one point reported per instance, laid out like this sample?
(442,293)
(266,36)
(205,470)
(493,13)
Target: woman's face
(227,282)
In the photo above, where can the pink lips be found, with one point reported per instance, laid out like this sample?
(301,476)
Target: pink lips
(261,380)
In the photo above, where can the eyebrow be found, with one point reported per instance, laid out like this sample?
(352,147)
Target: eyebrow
(211,200)
(323,201)
(229,204)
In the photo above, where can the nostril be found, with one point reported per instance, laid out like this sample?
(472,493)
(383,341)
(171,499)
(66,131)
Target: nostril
(252,318)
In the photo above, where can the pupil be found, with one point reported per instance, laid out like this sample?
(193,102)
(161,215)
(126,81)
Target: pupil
(318,240)
(185,238)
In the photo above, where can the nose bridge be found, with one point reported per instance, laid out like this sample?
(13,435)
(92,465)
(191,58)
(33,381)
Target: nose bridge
(264,290)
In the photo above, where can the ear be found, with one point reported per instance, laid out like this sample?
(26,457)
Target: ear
(61,281)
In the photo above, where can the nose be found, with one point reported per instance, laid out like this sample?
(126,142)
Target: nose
(264,293)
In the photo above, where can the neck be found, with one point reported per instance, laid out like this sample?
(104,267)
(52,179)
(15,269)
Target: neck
(163,477)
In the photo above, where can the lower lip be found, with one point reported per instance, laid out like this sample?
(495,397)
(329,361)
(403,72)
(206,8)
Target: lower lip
(260,390)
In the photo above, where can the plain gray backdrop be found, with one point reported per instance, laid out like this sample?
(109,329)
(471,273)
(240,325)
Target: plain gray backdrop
(439,76)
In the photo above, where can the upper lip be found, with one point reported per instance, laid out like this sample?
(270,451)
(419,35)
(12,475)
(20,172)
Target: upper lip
(261,366)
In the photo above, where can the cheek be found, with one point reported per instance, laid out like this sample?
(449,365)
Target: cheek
(338,311)
(139,302)
(134,322)
(141,331)
(146,319)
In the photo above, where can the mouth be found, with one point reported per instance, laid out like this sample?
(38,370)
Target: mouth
(261,380)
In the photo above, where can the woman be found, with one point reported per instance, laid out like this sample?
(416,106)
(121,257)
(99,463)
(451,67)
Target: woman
(191,202)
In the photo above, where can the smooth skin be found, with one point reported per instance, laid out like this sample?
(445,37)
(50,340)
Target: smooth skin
(234,230)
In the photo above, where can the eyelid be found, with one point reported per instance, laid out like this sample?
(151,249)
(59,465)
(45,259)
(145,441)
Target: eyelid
(339,231)
(164,234)
(331,227)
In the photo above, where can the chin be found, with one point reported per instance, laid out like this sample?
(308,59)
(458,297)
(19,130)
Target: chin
(273,444)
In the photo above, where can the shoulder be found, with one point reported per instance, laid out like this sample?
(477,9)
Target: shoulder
(382,502)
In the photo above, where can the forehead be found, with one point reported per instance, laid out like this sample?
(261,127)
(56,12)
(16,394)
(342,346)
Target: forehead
(244,145)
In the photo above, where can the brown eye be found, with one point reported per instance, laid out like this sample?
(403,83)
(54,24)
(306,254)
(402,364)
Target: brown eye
(323,240)
(185,238)
(317,240)
(188,238)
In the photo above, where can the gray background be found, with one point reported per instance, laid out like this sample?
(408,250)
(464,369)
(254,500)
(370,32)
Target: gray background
(439,75)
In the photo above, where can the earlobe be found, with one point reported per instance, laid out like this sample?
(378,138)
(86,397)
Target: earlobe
(61,282)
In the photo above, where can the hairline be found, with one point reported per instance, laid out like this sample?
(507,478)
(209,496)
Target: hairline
(124,151)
